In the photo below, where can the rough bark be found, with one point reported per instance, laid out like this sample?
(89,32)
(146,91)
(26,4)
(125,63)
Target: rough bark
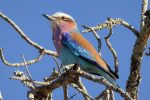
(136,59)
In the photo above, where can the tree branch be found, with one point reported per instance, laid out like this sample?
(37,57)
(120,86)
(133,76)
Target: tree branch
(144,8)
(136,59)
(101,95)
(70,78)
(104,82)
(113,22)
(65,89)
(22,63)
(19,75)
(85,95)
(72,96)
(25,37)
(112,50)
(111,95)
(81,86)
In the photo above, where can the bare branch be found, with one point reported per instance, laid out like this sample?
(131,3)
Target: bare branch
(50,96)
(54,75)
(28,73)
(81,86)
(111,95)
(25,37)
(71,77)
(113,22)
(130,27)
(105,95)
(72,96)
(102,81)
(58,66)
(112,50)
(144,9)
(101,95)
(136,59)
(26,81)
(19,75)
(65,89)
(22,63)
(82,92)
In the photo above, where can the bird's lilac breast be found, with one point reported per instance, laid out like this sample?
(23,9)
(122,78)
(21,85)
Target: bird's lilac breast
(57,37)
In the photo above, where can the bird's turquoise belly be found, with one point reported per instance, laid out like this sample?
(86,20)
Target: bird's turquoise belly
(67,57)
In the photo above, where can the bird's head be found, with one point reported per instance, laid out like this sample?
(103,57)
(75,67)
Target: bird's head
(61,21)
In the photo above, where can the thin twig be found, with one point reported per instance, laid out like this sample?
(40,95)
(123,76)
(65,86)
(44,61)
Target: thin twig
(19,75)
(111,95)
(106,95)
(130,27)
(141,42)
(50,96)
(81,86)
(72,96)
(101,95)
(25,37)
(65,89)
(28,73)
(54,75)
(144,9)
(27,70)
(27,81)
(82,92)
(40,56)
(114,22)
(112,50)
(58,66)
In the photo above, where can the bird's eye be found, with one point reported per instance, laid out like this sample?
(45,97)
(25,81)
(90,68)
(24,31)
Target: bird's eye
(62,17)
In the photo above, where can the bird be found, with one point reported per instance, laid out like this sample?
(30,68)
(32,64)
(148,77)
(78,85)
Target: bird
(73,48)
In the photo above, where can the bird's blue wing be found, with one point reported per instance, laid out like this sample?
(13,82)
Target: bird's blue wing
(75,48)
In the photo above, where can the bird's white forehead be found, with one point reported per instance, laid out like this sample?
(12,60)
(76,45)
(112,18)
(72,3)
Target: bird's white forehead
(60,14)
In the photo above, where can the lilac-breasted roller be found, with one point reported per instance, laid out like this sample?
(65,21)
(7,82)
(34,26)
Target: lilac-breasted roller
(73,48)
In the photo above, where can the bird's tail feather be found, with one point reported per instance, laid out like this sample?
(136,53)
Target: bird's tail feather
(110,79)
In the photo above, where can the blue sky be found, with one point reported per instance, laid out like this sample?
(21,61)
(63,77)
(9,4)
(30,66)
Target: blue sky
(28,15)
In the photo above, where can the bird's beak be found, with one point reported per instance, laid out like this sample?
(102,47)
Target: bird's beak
(49,17)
